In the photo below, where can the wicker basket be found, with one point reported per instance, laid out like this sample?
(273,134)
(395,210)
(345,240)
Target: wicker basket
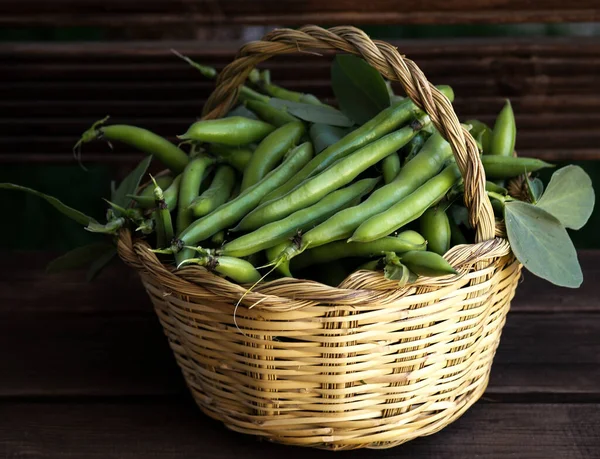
(363,365)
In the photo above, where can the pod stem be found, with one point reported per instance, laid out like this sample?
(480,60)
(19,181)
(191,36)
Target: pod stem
(90,135)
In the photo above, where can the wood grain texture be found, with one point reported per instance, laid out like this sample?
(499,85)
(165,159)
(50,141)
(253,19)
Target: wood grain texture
(178,430)
(50,93)
(113,13)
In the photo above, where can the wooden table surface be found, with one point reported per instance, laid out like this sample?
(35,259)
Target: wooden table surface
(85,372)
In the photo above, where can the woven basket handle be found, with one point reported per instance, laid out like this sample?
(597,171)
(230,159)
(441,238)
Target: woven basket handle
(393,66)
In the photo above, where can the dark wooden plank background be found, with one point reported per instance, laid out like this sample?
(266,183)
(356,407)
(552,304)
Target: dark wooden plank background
(50,93)
(169,13)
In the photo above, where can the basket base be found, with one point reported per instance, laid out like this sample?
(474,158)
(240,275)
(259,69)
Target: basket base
(328,440)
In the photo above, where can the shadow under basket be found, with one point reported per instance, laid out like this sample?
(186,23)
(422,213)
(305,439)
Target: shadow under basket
(364,364)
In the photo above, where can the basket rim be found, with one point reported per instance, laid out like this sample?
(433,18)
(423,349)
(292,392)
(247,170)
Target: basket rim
(470,260)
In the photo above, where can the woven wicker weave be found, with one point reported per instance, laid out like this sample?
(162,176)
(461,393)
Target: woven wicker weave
(362,365)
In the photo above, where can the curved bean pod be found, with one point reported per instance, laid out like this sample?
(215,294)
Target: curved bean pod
(414,146)
(270,151)
(239,271)
(141,139)
(435,227)
(385,122)
(237,157)
(423,167)
(275,255)
(408,209)
(232,131)
(162,217)
(482,134)
(339,174)
(502,142)
(217,193)
(391,167)
(270,114)
(189,188)
(279,231)
(285,94)
(342,249)
(231,212)
(505,167)
(427,264)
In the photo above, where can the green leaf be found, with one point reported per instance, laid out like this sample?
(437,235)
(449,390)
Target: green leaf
(536,188)
(460,215)
(542,244)
(79,257)
(130,184)
(324,135)
(313,113)
(569,197)
(100,263)
(73,214)
(359,88)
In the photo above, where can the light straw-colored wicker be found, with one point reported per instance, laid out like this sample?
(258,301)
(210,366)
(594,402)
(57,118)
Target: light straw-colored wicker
(366,364)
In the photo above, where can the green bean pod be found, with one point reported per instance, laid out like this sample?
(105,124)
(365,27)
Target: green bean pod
(236,157)
(495,188)
(428,264)
(270,114)
(218,238)
(189,189)
(274,256)
(218,193)
(435,226)
(342,249)
(231,212)
(141,139)
(239,271)
(270,152)
(170,196)
(504,134)
(423,167)
(408,209)
(481,133)
(162,217)
(339,174)
(413,147)
(391,167)
(385,122)
(279,231)
(285,94)
(233,131)
(505,167)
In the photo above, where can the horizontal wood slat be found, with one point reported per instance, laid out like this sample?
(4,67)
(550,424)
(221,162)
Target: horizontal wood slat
(49,94)
(163,430)
(190,13)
